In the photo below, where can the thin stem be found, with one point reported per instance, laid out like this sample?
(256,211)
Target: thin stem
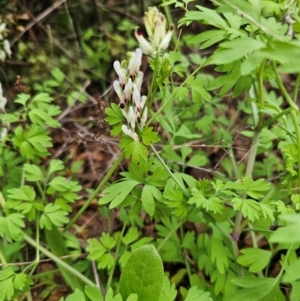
(57,260)
(297,132)
(95,193)
(111,272)
(296,88)
(166,238)
(169,171)
(283,90)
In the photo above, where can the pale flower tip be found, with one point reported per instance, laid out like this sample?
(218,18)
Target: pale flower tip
(129,133)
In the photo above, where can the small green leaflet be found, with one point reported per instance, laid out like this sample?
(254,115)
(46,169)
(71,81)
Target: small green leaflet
(196,294)
(117,193)
(10,226)
(133,149)
(148,194)
(254,258)
(53,215)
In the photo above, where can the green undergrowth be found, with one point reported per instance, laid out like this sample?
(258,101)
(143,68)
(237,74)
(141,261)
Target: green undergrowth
(221,101)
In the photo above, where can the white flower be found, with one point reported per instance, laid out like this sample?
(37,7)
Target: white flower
(6,47)
(136,96)
(164,44)
(144,117)
(3,133)
(146,47)
(3,100)
(131,118)
(128,89)
(135,62)
(155,24)
(121,72)
(139,80)
(2,28)
(129,133)
(120,93)
(2,55)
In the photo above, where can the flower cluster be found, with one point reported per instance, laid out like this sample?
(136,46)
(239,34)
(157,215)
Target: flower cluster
(128,88)
(4,44)
(159,38)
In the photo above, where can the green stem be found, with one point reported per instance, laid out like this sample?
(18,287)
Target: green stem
(275,118)
(171,97)
(169,171)
(57,260)
(111,272)
(296,88)
(96,192)
(283,90)
(297,132)
(166,238)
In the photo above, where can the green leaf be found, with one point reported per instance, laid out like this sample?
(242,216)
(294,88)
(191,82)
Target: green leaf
(196,294)
(259,289)
(134,149)
(55,165)
(209,204)
(32,172)
(58,75)
(148,194)
(22,99)
(42,97)
(149,136)
(53,215)
(168,292)
(249,208)
(94,293)
(116,193)
(292,272)
(76,296)
(206,16)
(208,38)
(10,226)
(143,274)
(234,50)
(113,115)
(254,258)
(218,253)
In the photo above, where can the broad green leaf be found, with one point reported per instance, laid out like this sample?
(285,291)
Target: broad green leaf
(254,258)
(142,274)
(259,289)
(208,38)
(116,193)
(205,16)
(234,50)
(42,97)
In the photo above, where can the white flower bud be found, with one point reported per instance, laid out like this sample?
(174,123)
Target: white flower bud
(120,93)
(129,133)
(121,72)
(136,96)
(6,47)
